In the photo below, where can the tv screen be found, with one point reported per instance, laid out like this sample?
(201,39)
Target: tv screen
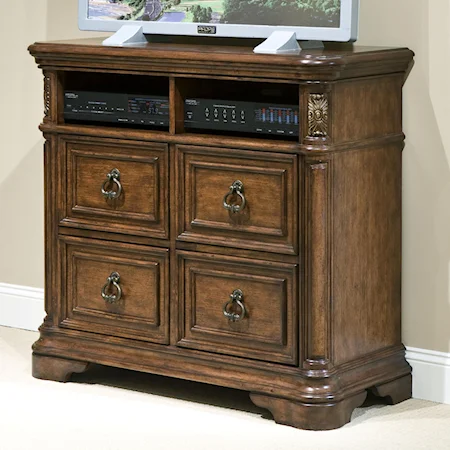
(309,19)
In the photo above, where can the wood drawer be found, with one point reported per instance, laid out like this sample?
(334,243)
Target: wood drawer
(142,206)
(269,328)
(142,310)
(267,221)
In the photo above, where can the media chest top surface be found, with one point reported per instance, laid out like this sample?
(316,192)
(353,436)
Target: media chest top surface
(334,62)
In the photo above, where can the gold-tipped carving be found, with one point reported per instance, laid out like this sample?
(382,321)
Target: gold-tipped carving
(318,115)
(47,96)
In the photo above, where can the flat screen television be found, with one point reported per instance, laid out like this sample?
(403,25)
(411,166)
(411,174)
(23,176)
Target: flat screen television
(310,20)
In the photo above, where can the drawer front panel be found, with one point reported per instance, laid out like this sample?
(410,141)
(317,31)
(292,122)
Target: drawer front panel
(118,290)
(238,198)
(259,322)
(118,188)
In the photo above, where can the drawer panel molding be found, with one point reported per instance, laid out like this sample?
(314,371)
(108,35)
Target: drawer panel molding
(238,198)
(239,307)
(114,291)
(116,188)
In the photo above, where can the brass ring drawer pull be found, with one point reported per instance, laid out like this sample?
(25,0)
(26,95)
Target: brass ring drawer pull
(113,177)
(236,188)
(236,298)
(112,282)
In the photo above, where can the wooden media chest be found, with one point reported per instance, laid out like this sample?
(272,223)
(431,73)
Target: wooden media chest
(267,263)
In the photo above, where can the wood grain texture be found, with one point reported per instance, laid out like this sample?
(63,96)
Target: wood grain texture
(310,416)
(268,329)
(142,205)
(141,312)
(257,376)
(56,369)
(212,61)
(270,191)
(367,108)
(366,250)
(395,391)
(49,231)
(177,97)
(318,286)
(315,252)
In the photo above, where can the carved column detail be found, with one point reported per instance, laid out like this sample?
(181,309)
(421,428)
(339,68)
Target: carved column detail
(318,115)
(317,266)
(50,176)
(51,93)
(47,97)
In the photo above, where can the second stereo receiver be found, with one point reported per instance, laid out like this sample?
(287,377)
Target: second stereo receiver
(247,117)
(142,110)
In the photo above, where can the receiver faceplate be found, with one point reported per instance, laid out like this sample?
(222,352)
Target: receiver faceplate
(248,117)
(143,110)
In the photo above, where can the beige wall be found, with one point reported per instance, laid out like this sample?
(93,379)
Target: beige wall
(21,197)
(422,25)
(21,174)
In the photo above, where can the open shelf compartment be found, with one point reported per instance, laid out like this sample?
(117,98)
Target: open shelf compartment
(238,108)
(119,100)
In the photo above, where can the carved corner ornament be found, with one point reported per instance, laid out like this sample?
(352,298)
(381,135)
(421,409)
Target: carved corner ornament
(47,97)
(318,115)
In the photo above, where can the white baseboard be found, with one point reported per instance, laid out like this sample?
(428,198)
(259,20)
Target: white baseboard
(23,307)
(431,374)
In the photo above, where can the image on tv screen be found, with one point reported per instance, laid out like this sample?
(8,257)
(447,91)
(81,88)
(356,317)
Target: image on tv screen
(306,13)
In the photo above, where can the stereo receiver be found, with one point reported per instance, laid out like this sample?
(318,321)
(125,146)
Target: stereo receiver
(142,110)
(247,117)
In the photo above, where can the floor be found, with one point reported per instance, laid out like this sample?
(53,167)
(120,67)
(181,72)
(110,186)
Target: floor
(107,408)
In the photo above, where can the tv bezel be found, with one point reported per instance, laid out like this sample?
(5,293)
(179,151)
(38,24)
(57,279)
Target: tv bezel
(348,30)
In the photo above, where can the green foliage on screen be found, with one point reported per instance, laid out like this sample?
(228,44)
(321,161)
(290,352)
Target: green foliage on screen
(283,12)
(201,14)
(317,13)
